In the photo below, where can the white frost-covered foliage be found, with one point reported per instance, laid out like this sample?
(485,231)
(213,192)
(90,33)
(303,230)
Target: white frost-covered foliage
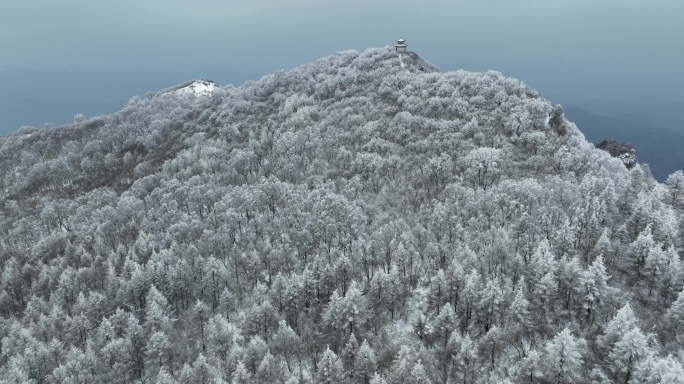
(352,220)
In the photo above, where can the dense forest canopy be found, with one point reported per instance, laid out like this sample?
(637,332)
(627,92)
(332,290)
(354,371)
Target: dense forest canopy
(360,219)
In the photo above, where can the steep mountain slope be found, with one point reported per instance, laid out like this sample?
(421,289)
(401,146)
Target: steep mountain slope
(363,218)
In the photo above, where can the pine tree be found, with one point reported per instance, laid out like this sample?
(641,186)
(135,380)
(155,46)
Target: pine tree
(656,370)
(15,372)
(490,304)
(438,292)
(122,359)
(286,344)
(204,372)
(563,360)
(157,350)
(675,186)
(674,318)
(639,250)
(604,248)
(654,269)
(365,364)
(221,335)
(186,375)
(492,345)
(346,314)
(163,377)
(419,375)
(254,353)
(157,312)
(595,289)
(627,353)
(530,369)
(349,352)
(671,282)
(79,367)
(104,334)
(569,281)
(198,316)
(518,315)
(330,369)
(270,370)
(623,321)
(471,296)
(542,262)
(262,318)
(464,357)
(241,375)
(543,295)
(442,325)
(400,371)
(377,379)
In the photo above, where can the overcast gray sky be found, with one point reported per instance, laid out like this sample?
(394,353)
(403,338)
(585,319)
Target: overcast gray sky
(630,37)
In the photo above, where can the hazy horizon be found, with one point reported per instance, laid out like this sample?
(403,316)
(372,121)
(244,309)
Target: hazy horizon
(568,50)
(627,36)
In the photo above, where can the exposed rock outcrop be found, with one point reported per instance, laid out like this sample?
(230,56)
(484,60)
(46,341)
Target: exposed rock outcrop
(624,152)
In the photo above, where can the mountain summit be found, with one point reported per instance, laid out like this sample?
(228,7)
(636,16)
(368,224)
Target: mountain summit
(361,218)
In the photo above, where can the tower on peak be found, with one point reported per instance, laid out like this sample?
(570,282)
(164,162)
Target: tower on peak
(401,44)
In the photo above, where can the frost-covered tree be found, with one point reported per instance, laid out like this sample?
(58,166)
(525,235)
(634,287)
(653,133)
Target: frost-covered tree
(400,370)
(330,369)
(363,204)
(675,187)
(675,317)
(270,370)
(563,361)
(656,370)
(346,314)
(594,287)
(627,353)
(241,375)
(464,356)
(157,312)
(623,321)
(365,364)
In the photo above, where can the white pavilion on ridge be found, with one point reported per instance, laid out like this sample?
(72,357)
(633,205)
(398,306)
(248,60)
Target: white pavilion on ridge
(401,44)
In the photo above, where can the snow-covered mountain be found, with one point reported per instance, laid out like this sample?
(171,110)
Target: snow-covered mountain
(360,219)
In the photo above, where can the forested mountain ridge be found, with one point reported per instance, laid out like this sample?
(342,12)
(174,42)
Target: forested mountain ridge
(362,218)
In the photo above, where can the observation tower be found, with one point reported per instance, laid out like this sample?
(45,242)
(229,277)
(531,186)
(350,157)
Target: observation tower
(400,45)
